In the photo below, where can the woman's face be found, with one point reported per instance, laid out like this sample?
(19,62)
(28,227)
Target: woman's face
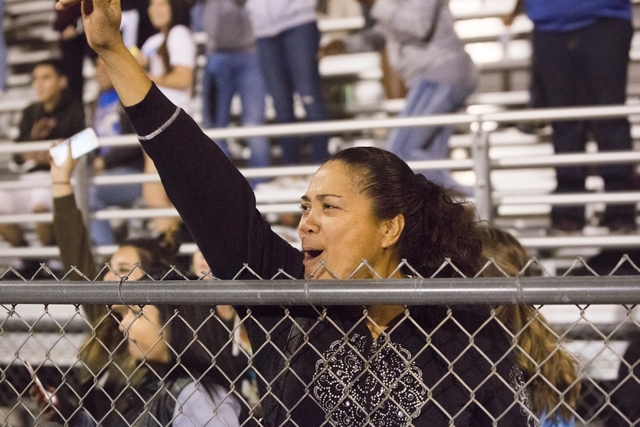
(160,14)
(122,262)
(143,332)
(338,227)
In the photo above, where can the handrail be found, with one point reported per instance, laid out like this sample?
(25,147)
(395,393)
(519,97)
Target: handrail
(465,164)
(484,199)
(547,242)
(290,204)
(337,126)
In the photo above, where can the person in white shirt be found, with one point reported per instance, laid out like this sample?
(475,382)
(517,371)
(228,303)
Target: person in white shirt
(169,56)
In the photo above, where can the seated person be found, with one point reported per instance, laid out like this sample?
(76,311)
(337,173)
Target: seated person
(55,115)
(114,382)
(109,120)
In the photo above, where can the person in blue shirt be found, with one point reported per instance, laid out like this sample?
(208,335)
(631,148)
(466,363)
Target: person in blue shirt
(580,57)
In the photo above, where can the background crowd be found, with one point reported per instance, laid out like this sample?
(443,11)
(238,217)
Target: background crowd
(257,48)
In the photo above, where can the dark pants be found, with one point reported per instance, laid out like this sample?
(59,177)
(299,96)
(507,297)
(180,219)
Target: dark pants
(587,67)
(289,64)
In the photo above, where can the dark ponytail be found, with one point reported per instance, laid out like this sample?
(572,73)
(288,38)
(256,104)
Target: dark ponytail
(179,16)
(436,226)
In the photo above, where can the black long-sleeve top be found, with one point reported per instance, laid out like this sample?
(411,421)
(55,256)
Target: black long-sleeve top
(433,364)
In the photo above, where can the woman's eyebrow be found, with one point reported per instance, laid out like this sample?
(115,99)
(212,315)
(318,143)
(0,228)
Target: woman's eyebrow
(320,197)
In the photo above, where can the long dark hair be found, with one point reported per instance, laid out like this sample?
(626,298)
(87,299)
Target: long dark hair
(179,16)
(199,340)
(157,255)
(199,344)
(436,226)
(549,370)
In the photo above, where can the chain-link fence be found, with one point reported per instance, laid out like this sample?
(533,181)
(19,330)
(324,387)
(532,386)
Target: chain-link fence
(402,352)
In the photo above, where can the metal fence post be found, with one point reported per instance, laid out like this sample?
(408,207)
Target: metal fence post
(482,169)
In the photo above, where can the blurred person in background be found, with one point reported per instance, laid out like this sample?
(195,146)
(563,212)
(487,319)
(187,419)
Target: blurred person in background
(233,67)
(3,52)
(73,47)
(169,57)
(549,376)
(288,40)
(111,376)
(369,39)
(581,57)
(130,24)
(109,120)
(426,52)
(56,115)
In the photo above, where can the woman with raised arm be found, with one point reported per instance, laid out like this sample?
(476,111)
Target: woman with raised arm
(115,383)
(349,366)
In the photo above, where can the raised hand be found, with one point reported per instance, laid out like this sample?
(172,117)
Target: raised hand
(47,404)
(61,175)
(101,22)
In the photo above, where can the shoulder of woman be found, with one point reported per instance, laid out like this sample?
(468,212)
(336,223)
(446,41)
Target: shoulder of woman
(152,42)
(180,30)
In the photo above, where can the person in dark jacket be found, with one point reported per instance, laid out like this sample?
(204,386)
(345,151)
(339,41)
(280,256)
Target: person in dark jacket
(56,115)
(581,57)
(378,364)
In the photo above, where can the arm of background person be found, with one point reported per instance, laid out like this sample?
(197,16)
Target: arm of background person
(195,407)
(182,57)
(71,234)
(179,78)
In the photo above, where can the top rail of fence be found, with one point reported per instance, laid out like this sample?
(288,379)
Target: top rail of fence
(416,291)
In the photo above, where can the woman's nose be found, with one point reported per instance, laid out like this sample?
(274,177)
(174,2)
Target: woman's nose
(309,224)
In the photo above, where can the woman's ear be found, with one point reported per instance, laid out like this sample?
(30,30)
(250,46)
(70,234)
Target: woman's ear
(392,230)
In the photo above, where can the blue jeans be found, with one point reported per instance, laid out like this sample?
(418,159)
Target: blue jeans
(195,16)
(587,67)
(289,64)
(428,143)
(3,51)
(101,196)
(236,73)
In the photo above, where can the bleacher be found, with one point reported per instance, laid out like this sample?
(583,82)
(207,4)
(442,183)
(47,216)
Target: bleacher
(503,58)
(501,54)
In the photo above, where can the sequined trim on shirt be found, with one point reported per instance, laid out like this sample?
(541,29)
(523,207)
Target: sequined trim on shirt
(161,128)
(516,380)
(384,389)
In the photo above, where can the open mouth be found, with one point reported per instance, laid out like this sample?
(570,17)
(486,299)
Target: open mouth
(312,254)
